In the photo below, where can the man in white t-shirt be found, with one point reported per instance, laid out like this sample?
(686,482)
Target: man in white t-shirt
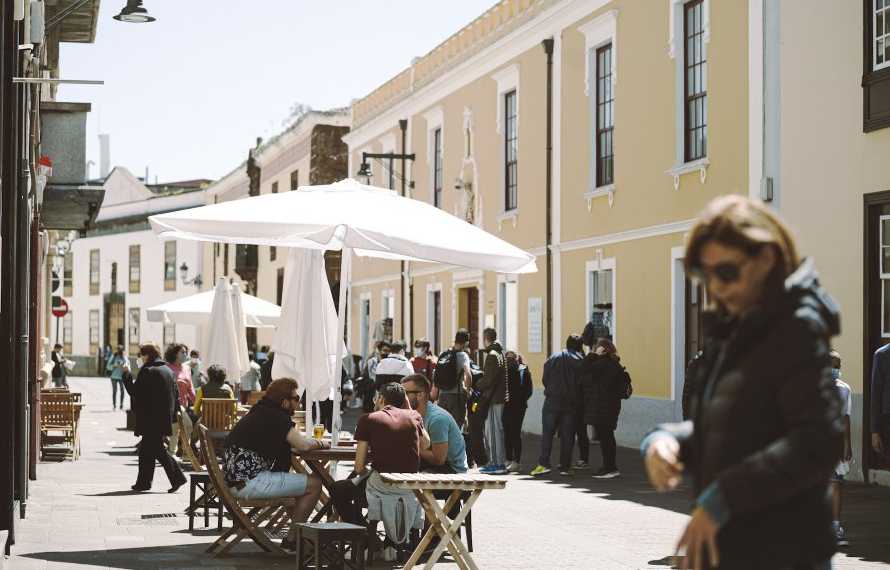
(394,367)
(837,477)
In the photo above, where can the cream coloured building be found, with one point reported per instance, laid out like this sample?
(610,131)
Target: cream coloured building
(826,148)
(648,107)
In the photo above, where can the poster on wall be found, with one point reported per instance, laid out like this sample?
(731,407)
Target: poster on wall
(535,313)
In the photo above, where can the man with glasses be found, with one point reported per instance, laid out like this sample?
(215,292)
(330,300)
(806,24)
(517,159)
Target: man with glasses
(447,452)
(257,457)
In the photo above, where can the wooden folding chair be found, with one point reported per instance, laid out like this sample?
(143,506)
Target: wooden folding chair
(218,416)
(202,495)
(58,426)
(255,396)
(244,524)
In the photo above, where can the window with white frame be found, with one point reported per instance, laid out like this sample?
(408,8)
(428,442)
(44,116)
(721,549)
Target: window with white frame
(434,317)
(133,324)
(94,331)
(67,332)
(507,127)
(508,313)
(601,297)
(885,276)
(435,151)
(170,266)
(169,335)
(135,268)
(881,34)
(600,77)
(690,33)
(94,272)
(389,304)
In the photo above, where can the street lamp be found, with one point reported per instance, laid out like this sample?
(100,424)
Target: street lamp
(134,13)
(184,273)
(364,174)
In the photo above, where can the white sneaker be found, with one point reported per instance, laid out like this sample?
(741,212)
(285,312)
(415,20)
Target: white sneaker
(514,467)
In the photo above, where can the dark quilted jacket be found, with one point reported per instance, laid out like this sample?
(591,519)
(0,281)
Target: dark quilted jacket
(154,393)
(767,427)
(599,381)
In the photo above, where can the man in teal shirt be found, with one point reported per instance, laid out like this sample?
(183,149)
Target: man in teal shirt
(447,454)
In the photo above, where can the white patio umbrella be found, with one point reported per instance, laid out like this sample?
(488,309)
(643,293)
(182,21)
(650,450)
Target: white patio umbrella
(222,345)
(240,329)
(347,216)
(195,310)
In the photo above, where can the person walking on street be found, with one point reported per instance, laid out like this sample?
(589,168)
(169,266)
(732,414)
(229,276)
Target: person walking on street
(177,358)
(560,401)
(251,379)
(603,380)
(519,383)
(60,372)
(766,426)
(879,418)
(495,393)
(154,398)
(451,382)
(836,479)
(116,367)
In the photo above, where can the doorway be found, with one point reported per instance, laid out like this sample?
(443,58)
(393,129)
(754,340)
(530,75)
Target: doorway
(877,310)
(115,320)
(468,314)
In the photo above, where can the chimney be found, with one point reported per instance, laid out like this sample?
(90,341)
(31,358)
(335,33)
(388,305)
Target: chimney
(104,155)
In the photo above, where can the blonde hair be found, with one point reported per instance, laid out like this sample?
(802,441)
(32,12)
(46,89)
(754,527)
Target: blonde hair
(735,221)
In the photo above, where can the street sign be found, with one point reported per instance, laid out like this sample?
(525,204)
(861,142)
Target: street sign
(61,309)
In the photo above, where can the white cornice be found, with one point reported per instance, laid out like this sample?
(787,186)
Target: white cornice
(629,235)
(549,23)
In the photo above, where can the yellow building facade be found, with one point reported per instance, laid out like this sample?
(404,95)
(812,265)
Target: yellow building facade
(648,107)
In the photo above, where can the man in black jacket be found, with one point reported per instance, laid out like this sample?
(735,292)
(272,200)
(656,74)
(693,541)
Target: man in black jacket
(154,398)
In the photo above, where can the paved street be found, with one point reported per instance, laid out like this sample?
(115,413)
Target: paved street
(83,514)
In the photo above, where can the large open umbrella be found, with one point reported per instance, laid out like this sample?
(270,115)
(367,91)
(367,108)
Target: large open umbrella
(195,310)
(347,216)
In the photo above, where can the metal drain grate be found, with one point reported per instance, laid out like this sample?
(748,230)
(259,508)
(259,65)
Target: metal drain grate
(162,516)
(152,521)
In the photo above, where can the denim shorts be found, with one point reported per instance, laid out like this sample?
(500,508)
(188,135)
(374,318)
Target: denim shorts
(272,485)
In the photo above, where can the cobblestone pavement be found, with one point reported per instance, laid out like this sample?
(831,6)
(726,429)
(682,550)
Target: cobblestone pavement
(82,514)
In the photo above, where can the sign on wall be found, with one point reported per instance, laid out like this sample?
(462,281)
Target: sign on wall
(535,318)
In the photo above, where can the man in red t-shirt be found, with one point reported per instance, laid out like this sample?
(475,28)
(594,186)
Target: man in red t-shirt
(394,433)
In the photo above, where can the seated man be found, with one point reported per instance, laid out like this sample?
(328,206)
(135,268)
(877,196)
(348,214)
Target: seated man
(257,457)
(394,433)
(447,453)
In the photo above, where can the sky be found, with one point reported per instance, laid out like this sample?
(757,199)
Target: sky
(186,96)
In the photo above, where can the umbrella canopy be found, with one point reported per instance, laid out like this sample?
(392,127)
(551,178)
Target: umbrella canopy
(222,345)
(240,329)
(372,221)
(307,307)
(195,310)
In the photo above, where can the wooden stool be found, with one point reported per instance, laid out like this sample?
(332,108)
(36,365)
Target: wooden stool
(200,483)
(330,542)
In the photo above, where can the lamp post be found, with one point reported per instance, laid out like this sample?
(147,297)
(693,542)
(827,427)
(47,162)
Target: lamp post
(364,174)
(134,13)
(184,273)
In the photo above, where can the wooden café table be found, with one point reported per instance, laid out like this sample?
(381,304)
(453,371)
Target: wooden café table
(316,462)
(423,485)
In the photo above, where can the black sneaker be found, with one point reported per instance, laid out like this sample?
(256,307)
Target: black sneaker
(604,473)
(842,541)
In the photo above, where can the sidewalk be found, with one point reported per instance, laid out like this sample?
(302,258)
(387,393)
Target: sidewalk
(82,514)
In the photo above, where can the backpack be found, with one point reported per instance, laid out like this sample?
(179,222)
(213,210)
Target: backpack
(625,389)
(445,375)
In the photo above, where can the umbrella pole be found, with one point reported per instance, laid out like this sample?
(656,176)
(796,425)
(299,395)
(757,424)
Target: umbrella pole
(345,270)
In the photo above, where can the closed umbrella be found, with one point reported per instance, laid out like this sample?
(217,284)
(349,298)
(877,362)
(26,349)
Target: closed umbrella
(240,330)
(222,343)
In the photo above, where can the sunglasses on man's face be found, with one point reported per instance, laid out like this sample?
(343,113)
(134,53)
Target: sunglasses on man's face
(726,271)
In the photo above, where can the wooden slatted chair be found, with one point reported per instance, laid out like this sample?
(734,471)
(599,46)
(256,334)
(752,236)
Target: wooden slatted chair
(218,415)
(255,396)
(245,523)
(58,426)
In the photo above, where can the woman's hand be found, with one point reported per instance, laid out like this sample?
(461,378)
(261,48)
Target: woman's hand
(700,534)
(663,463)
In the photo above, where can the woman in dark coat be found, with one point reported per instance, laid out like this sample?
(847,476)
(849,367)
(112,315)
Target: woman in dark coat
(154,397)
(601,379)
(766,425)
(519,384)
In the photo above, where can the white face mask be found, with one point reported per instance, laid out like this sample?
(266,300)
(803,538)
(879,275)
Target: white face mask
(140,362)
(418,352)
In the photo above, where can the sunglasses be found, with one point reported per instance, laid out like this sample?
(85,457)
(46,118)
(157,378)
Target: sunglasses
(725,271)
(293,398)
(414,391)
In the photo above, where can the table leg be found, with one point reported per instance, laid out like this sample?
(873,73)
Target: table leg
(447,528)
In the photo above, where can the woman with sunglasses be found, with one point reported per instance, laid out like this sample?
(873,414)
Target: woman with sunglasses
(766,428)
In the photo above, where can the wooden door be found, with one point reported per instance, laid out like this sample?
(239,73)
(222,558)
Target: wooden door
(877,310)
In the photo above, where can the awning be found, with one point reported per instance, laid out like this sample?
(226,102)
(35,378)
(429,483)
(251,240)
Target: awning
(70,206)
